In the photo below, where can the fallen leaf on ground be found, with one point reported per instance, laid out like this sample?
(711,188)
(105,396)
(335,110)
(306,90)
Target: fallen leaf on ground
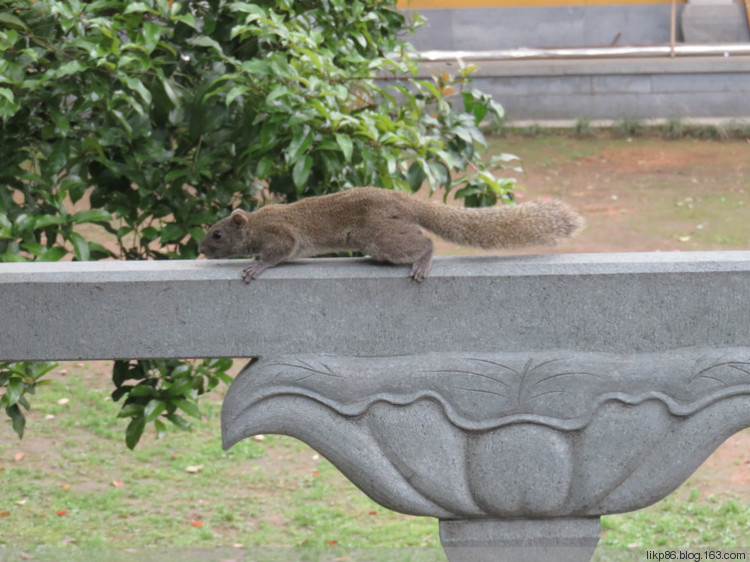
(19,457)
(4,513)
(198,523)
(194,469)
(63,401)
(62,512)
(118,483)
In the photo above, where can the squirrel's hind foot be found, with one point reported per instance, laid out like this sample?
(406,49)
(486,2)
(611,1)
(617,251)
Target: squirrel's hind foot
(421,268)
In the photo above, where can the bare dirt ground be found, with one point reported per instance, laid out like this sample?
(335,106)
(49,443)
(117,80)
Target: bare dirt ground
(639,195)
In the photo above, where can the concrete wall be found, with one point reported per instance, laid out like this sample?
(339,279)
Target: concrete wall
(509,27)
(695,87)
(477,29)
(553,89)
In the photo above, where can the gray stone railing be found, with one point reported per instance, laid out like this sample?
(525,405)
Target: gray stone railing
(517,398)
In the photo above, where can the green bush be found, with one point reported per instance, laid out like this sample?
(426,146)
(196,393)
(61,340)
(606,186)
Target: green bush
(166,114)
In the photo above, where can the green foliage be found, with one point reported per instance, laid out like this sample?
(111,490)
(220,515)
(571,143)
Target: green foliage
(156,117)
(583,128)
(628,127)
(19,380)
(155,388)
(674,128)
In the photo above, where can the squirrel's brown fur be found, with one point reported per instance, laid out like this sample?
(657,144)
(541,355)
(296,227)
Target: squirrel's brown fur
(385,224)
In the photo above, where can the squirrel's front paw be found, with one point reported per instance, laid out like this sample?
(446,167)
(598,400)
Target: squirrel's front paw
(253,270)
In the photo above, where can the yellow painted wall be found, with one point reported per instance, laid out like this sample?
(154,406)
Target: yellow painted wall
(457,4)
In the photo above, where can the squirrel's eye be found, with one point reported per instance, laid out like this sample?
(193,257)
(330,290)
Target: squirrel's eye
(216,235)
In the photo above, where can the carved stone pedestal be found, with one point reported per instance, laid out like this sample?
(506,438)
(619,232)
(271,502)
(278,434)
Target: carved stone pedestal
(518,454)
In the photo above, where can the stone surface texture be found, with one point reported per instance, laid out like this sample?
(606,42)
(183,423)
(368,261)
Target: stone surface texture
(634,302)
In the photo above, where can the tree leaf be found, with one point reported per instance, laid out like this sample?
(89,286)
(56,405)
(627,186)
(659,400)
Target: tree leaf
(265,167)
(301,171)
(300,143)
(415,176)
(204,41)
(134,431)
(12,21)
(188,407)
(11,257)
(180,387)
(48,220)
(169,89)
(161,429)
(179,421)
(120,372)
(80,247)
(142,389)
(137,86)
(153,409)
(171,232)
(187,19)
(119,392)
(346,145)
(135,7)
(130,410)
(14,390)
(151,33)
(17,418)
(235,93)
(53,254)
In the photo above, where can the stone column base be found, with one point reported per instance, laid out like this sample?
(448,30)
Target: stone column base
(520,540)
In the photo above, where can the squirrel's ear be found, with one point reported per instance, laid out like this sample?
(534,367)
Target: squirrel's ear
(238,217)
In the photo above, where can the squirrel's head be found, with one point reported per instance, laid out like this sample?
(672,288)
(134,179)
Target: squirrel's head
(225,238)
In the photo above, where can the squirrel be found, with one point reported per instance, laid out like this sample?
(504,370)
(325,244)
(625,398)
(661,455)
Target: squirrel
(387,225)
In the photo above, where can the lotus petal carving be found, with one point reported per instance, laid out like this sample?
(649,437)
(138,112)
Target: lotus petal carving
(502,435)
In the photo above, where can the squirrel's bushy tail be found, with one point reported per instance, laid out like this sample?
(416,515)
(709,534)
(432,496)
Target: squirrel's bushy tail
(506,226)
